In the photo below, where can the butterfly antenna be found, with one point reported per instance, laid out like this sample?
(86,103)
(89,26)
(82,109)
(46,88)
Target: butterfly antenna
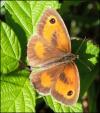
(80,59)
(85,65)
(36,67)
(80,45)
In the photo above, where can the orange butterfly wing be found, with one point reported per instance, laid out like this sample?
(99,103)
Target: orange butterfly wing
(67,85)
(52,28)
(61,81)
(52,41)
(39,52)
(44,80)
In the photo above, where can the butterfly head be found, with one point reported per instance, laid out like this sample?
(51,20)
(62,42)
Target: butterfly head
(69,57)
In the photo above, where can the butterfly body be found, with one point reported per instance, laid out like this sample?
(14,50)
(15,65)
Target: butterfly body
(64,59)
(50,49)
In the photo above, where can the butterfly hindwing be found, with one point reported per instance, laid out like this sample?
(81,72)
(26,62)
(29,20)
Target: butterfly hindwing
(44,80)
(66,88)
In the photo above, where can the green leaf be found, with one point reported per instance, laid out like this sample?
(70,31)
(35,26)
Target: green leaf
(28,13)
(10,49)
(17,95)
(57,107)
(2,4)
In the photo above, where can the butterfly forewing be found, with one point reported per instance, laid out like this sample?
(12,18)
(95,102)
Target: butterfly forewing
(39,52)
(52,40)
(52,28)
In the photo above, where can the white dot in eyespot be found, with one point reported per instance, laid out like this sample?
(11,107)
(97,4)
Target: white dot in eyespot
(52,20)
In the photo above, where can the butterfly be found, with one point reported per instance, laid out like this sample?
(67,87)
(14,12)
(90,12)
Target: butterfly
(50,49)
